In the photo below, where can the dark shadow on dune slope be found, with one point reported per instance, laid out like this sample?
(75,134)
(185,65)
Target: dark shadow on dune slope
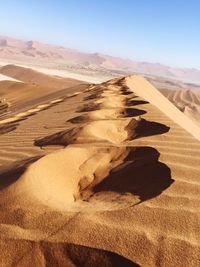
(88,107)
(127,93)
(61,254)
(63,138)
(128,112)
(95,94)
(135,129)
(32,253)
(132,102)
(148,128)
(143,128)
(12,172)
(92,96)
(8,127)
(79,119)
(11,126)
(132,112)
(141,174)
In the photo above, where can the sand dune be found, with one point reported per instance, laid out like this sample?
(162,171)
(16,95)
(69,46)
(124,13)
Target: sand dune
(35,88)
(7,78)
(147,91)
(114,131)
(34,77)
(108,177)
(55,70)
(188,101)
(85,167)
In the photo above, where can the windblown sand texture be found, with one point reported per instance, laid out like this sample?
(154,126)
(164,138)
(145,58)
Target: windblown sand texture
(108,177)
(188,101)
(32,89)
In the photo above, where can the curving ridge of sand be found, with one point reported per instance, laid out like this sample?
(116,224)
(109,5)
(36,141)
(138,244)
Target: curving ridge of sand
(144,89)
(31,76)
(112,131)
(109,200)
(110,101)
(58,179)
(105,114)
(36,90)
(7,78)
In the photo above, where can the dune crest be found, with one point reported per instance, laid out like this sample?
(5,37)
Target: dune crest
(58,178)
(93,181)
(144,89)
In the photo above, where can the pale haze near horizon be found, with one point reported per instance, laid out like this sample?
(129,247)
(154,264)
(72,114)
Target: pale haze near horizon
(166,32)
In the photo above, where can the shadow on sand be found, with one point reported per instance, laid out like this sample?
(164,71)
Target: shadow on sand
(143,129)
(127,112)
(14,171)
(88,107)
(82,256)
(8,127)
(149,128)
(60,254)
(132,102)
(141,174)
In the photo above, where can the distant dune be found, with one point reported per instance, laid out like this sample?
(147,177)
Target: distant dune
(58,57)
(31,76)
(188,101)
(28,87)
(104,176)
(7,78)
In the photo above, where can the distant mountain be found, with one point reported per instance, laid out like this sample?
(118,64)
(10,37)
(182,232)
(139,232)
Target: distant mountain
(33,51)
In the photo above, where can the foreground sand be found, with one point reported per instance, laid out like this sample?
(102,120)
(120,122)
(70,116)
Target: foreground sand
(106,177)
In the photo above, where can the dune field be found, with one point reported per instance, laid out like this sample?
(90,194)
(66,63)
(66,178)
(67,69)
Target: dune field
(98,175)
(75,64)
(188,101)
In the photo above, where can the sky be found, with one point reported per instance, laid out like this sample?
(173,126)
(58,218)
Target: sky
(163,31)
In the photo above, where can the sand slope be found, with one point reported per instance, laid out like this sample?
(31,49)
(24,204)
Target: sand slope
(188,101)
(145,89)
(7,78)
(92,183)
(34,77)
(35,88)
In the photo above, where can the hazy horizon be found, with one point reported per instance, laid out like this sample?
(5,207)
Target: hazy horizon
(165,33)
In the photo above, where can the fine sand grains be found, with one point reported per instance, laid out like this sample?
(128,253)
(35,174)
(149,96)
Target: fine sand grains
(123,190)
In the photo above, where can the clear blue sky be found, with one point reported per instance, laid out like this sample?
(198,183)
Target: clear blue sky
(165,31)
